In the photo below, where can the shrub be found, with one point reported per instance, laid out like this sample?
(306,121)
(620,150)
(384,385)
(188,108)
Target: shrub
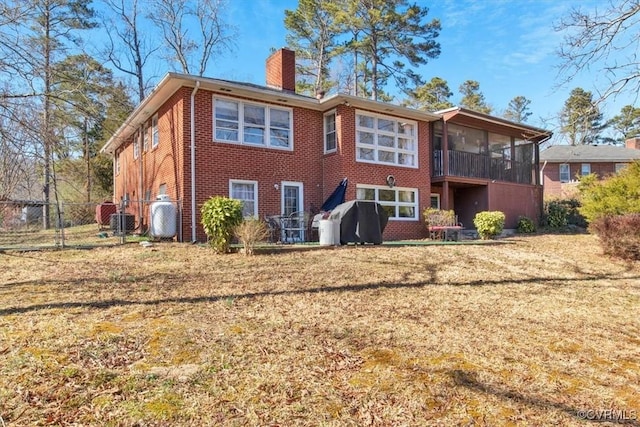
(562,213)
(249,232)
(489,224)
(220,215)
(616,195)
(526,225)
(619,235)
(434,217)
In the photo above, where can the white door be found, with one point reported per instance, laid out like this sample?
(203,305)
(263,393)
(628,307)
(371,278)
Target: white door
(292,202)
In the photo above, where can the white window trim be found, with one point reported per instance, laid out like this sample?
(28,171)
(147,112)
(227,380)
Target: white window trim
(437,196)
(145,137)
(298,184)
(560,172)
(255,192)
(155,135)
(396,204)
(267,126)
(117,163)
(375,146)
(335,131)
(136,145)
(582,166)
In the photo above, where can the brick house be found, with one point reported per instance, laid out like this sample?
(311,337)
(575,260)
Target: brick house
(562,165)
(280,152)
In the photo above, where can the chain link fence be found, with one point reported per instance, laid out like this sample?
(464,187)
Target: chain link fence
(23,224)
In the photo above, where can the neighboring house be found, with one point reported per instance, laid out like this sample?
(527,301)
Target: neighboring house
(562,165)
(281,152)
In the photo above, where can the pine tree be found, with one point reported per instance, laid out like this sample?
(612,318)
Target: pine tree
(472,97)
(580,119)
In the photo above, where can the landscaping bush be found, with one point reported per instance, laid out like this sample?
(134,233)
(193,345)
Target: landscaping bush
(489,224)
(220,215)
(563,213)
(619,235)
(616,195)
(525,225)
(435,217)
(249,232)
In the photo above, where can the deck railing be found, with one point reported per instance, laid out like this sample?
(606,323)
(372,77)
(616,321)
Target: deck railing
(471,165)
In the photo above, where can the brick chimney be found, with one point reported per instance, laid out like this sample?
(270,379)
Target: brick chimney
(633,143)
(281,70)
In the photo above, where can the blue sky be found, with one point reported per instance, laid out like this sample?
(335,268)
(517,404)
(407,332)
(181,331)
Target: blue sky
(508,46)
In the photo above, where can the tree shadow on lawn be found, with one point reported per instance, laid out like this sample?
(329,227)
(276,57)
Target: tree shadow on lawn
(167,278)
(599,415)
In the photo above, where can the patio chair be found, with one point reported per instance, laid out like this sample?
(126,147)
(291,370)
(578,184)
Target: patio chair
(295,227)
(273,227)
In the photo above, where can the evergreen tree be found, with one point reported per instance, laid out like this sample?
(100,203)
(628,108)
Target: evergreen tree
(518,110)
(472,98)
(580,119)
(627,123)
(312,34)
(386,32)
(431,96)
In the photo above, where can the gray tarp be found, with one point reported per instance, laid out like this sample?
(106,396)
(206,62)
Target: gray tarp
(360,221)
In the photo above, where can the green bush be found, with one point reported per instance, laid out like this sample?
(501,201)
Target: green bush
(489,224)
(619,235)
(526,225)
(562,213)
(616,195)
(220,215)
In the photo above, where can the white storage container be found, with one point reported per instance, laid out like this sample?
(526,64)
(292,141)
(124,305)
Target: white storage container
(329,232)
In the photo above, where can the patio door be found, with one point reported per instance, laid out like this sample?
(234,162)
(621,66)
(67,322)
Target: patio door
(292,202)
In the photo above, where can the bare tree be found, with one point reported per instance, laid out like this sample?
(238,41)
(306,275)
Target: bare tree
(128,49)
(29,46)
(605,40)
(192,30)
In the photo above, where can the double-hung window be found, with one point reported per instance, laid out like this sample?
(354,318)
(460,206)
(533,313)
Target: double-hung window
(564,173)
(247,193)
(252,124)
(400,203)
(330,140)
(155,136)
(386,140)
(585,169)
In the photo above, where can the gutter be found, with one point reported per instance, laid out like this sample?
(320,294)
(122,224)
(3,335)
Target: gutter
(193,162)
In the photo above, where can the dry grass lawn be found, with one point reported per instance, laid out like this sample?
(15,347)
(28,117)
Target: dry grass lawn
(529,331)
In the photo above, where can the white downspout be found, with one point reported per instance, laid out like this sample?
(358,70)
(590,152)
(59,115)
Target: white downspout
(193,162)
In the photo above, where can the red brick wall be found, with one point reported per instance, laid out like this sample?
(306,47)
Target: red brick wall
(344,164)
(551,177)
(218,162)
(163,164)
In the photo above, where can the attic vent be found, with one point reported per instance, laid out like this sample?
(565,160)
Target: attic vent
(224,89)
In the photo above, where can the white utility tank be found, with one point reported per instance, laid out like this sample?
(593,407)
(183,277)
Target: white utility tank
(163,218)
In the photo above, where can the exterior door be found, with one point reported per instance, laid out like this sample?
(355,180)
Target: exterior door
(293,202)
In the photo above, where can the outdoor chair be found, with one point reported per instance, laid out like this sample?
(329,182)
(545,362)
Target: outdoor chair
(295,227)
(273,227)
